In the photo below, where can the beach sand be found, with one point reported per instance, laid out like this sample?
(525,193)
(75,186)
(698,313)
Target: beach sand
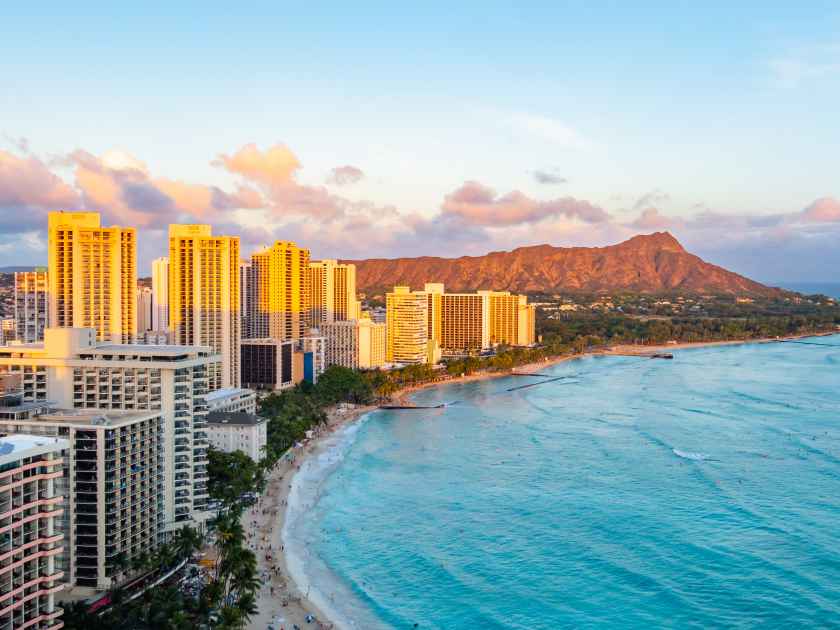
(270,513)
(264,524)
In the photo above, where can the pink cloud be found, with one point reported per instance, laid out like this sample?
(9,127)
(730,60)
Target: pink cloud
(824,210)
(477,204)
(275,166)
(26,181)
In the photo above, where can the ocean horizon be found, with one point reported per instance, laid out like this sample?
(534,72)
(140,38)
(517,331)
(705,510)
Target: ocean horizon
(630,492)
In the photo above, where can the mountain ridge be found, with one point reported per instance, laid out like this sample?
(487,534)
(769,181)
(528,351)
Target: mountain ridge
(645,263)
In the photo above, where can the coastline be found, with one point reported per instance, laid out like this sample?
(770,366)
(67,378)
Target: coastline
(271,512)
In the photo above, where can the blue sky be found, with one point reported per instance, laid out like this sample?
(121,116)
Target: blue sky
(721,120)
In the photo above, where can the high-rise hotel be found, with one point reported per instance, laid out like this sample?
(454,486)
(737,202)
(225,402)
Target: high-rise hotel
(92,276)
(332,292)
(204,295)
(456,323)
(279,292)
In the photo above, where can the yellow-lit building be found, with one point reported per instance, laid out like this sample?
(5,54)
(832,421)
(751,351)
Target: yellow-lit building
(279,287)
(406,321)
(356,344)
(92,276)
(512,319)
(204,295)
(464,323)
(332,291)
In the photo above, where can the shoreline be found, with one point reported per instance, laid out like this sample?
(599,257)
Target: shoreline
(271,511)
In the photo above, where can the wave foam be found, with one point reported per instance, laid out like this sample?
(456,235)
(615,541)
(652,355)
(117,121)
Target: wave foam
(310,574)
(697,457)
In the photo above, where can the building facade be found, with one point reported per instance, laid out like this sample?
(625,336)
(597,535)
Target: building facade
(160,294)
(231,431)
(31,539)
(31,305)
(92,276)
(271,364)
(232,399)
(512,320)
(464,323)
(406,319)
(204,294)
(145,310)
(356,344)
(72,370)
(332,291)
(114,492)
(280,305)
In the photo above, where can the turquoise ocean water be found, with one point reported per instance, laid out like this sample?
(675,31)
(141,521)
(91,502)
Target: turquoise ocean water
(700,492)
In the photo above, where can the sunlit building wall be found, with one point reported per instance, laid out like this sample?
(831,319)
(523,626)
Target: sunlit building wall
(92,275)
(281,303)
(332,292)
(204,295)
(160,294)
(407,324)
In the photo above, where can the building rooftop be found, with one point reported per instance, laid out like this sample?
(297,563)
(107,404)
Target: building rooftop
(93,417)
(233,417)
(226,392)
(13,447)
(142,348)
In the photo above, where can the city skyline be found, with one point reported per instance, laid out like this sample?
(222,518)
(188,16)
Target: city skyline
(488,130)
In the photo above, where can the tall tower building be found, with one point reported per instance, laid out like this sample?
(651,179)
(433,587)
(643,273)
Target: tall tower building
(407,324)
(245,297)
(31,305)
(512,319)
(279,279)
(92,276)
(204,295)
(465,322)
(160,294)
(332,292)
(434,296)
(144,309)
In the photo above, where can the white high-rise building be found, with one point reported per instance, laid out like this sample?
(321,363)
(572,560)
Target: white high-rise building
(144,310)
(31,305)
(31,543)
(355,344)
(72,370)
(160,294)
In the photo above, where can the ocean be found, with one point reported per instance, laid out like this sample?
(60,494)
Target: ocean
(700,492)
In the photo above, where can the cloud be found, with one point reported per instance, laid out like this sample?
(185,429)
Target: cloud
(276,166)
(651,219)
(824,210)
(345,175)
(549,178)
(477,204)
(650,199)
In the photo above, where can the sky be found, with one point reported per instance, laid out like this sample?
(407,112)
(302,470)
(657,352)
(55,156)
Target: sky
(391,129)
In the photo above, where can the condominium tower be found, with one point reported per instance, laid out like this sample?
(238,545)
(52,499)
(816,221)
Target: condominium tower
(92,276)
(279,287)
(31,305)
(332,292)
(407,324)
(357,344)
(160,294)
(145,310)
(31,544)
(204,295)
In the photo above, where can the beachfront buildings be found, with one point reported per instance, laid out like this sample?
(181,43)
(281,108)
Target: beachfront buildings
(31,305)
(92,276)
(457,323)
(72,370)
(160,294)
(271,364)
(332,292)
(204,294)
(406,328)
(232,399)
(31,538)
(231,431)
(357,344)
(245,298)
(279,292)
(113,488)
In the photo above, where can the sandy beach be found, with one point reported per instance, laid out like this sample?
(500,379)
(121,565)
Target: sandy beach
(280,602)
